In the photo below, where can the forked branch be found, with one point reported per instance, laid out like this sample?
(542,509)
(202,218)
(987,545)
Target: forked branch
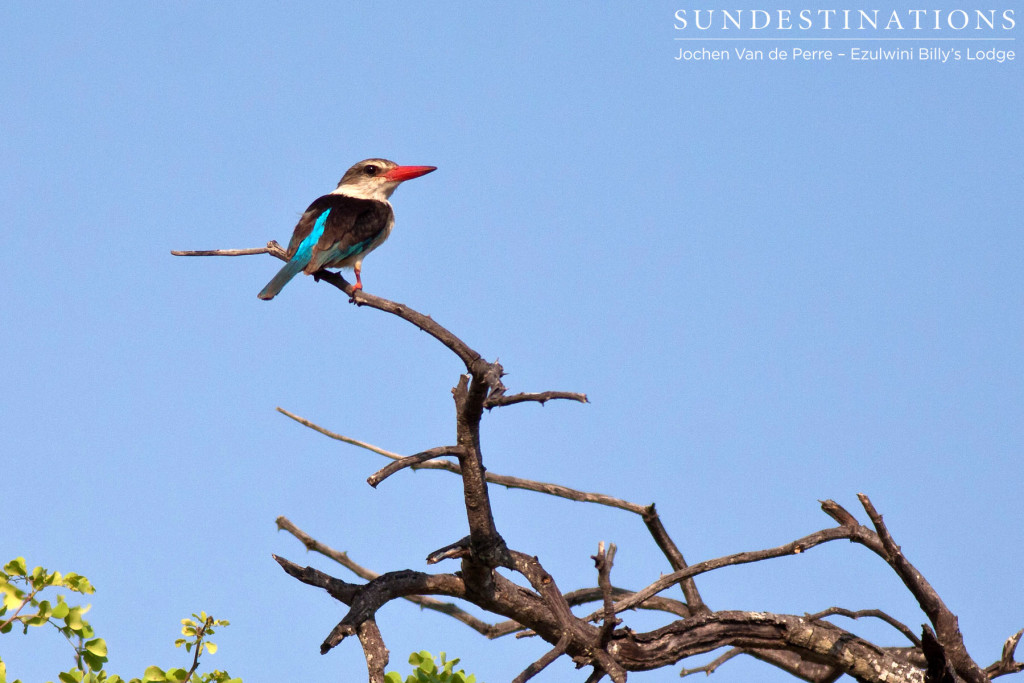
(806,646)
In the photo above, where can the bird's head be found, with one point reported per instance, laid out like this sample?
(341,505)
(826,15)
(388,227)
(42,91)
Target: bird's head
(377,178)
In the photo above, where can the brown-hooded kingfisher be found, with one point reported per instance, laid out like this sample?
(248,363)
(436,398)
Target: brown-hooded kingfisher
(339,229)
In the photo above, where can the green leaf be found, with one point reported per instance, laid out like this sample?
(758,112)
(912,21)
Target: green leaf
(74,619)
(94,663)
(98,647)
(210,647)
(75,582)
(73,676)
(34,620)
(13,598)
(16,567)
(61,609)
(389,677)
(176,675)
(154,673)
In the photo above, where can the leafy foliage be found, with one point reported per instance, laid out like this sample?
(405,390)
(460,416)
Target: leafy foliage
(430,671)
(21,606)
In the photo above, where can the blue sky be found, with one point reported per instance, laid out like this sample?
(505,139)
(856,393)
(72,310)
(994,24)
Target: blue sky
(777,283)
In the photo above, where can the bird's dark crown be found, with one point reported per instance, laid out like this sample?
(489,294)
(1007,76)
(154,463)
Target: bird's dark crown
(367,168)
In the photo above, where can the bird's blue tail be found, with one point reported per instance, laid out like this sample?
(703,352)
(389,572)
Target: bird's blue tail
(290,270)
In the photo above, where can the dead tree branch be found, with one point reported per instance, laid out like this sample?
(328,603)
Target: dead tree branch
(947,628)
(808,647)
(1006,664)
(876,613)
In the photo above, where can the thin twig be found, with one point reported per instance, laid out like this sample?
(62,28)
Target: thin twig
(474,361)
(199,648)
(551,655)
(603,562)
(339,437)
(271,248)
(424,602)
(710,667)
(556,490)
(675,558)
(876,613)
(792,548)
(496,400)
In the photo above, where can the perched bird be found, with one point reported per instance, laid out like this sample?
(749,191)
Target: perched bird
(341,228)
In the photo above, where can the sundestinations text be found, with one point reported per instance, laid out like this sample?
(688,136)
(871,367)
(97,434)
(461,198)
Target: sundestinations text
(846,19)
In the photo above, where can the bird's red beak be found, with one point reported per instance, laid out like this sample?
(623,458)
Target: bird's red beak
(401,173)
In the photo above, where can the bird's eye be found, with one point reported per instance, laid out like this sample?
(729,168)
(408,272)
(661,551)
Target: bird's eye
(370,170)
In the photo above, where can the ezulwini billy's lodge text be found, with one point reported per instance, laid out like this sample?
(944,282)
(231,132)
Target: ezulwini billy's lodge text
(854,54)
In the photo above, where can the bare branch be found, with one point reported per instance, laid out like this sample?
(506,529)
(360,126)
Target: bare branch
(556,490)
(675,558)
(1007,664)
(424,602)
(580,633)
(940,669)
(947,629)
(339,437)
(496,400)
(542,663)
(878,614)
(808,647)
(342,558)
(486,544)
(712,666)
(386,587)
(794,547)
(796,665)
(451,551)
(603,562)
(761,631)
(339,590)
(271,248)
(411,460)
(838,513)
(474,362)
(647,512)
(374,651)
(582,596)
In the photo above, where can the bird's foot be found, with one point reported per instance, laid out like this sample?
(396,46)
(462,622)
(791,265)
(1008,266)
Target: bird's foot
(357,287)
